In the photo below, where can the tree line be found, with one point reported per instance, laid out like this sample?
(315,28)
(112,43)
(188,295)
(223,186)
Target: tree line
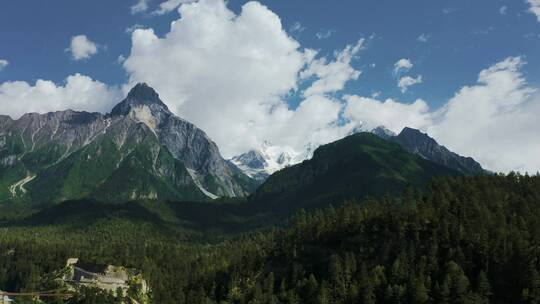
(460,240)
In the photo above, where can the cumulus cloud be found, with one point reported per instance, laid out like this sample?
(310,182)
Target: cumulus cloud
(424,37)
(78,92)
(231,73)
(323,34)
(370,113)
(297,27)
(227,73)
(402,65)
(495,120)
(139,7)
(169,6)
(131,29)
(82,48)
(405,82)
(333,75)
(535,8)
(3,63)
(315,121)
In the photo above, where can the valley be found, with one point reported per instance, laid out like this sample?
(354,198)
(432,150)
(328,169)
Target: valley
(373,217)
(269,152)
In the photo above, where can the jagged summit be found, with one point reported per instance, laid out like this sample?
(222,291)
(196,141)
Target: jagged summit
(139,151)
(415,141)
(140,95)
(411,131)
(383,132)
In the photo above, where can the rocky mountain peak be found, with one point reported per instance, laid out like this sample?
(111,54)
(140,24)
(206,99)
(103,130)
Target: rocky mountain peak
(383,132)
(140,95)
(253,159)
(410,136)
(415,141)
(413,132)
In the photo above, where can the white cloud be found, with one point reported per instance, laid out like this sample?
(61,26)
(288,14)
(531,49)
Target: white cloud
(140,6)
(535,8)
(449,10)
(323,34)
(332,76)
(405,82)
(495,120)
(82,48)
(227,73)
(402,65)
(169,6)
(423,37)
(134,27)
(230,73)
(3,63)
(371,113)
(79,92)
(503,10)
(314,121)
(297,27)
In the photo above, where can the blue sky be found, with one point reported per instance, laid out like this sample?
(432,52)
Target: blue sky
(449,45)
(463,38)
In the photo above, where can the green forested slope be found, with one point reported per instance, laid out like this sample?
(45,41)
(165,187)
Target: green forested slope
(461,240)
(351,168)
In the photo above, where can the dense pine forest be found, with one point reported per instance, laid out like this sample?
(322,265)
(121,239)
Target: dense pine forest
(461,240)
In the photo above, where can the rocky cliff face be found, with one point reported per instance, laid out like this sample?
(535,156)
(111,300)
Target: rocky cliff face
(419,143)
(138,151)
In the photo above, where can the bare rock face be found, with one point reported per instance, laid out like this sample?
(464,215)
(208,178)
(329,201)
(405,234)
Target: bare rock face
(419,143)
(139,151)
(184,140)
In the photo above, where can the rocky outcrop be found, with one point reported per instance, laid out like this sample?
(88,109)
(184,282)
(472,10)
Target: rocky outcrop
(109,278)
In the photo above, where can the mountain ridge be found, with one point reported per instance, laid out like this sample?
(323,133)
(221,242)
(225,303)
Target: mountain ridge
(415,141)
(255,162)
(60,150)
(354,167)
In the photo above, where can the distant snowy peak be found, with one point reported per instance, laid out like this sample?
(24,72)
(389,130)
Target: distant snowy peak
(383,132)
(253,164)
(261,163)
(264,161)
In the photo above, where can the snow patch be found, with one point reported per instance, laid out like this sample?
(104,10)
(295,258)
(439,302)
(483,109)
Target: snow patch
(274,158)
(195,176)
(20,185)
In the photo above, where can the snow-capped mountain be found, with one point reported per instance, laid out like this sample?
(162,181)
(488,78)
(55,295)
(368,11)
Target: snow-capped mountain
(262,162)
(383,132)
